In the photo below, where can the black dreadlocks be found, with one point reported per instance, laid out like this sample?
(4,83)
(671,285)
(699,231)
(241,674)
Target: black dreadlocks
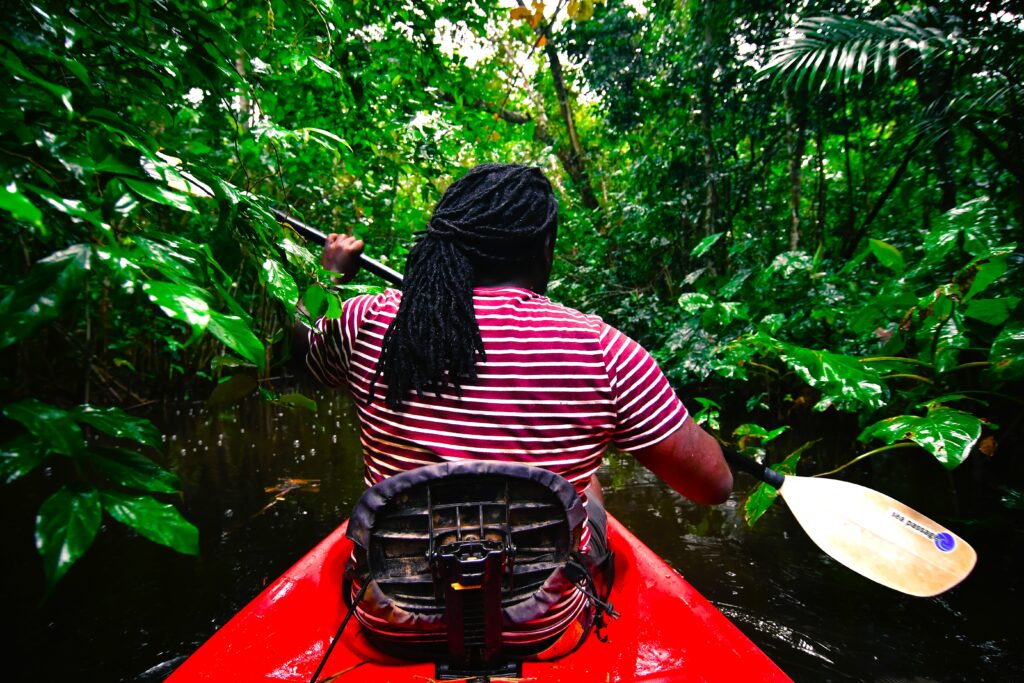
(491,222)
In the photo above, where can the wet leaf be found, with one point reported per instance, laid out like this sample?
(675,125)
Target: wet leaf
(161,194)
(19,456)
(238,336)
(53,426)
(298,401)
(159,522)
(280,284)
(705,244)
(1007,353)
(753,430)
(888,255)
(181,302)
(42,295)
(20,206)
(117,422)
(66,526)
(763,495)
(991,311)
(843,381)
(132,470)
(232,390)
(946,433)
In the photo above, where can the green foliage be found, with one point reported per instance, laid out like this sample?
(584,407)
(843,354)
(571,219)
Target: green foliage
(763,495)
(946,433)
(842,236)
(69,520)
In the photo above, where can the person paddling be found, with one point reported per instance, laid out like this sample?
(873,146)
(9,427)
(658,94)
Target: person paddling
(470,361)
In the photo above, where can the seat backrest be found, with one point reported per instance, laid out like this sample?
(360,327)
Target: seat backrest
(467,543)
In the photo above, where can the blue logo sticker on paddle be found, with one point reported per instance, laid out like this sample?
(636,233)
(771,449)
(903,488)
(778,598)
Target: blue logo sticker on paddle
(945,542)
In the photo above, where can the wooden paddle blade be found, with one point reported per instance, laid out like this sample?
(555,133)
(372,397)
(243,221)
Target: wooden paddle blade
(879,537)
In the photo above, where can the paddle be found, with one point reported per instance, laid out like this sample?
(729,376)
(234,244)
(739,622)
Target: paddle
(871,533)
(311,233)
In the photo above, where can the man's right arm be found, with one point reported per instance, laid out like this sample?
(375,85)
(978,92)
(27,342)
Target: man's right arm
(690,461)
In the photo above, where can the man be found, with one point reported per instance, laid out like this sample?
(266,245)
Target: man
(471,361)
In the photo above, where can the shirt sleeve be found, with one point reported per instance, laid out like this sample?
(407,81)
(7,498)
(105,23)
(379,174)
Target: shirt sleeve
(331,340)
(647,409)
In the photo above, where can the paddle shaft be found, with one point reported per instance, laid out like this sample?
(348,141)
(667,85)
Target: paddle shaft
(365,262)
(754,468)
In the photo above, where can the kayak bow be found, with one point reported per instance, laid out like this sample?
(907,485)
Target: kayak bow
(667,632)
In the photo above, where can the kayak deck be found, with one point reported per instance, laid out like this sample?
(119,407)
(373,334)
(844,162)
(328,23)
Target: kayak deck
(667,631)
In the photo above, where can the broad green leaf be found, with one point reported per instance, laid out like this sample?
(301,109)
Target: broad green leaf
(236,334)
(946,433)
(20,206)
(983,273)
(300,255)
(763,495)
(181,302)
(315,301)
(709,412)
(950,341)
(132,470)
(280,284)
(66,525)
(705,244)
(42,295)
(159,522)
(694,302)
(758,431)
(297,400)
(842,380)
(53,426)
(161,194)
(1007,353)
(232,390)
(19,456)
(172,261)
(888,255)
(991,311)
(116,422)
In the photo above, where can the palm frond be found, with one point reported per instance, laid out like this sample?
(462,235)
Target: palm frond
(838,48)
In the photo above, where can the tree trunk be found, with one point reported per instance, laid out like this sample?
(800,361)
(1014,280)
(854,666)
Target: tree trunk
(573,158)
(933,93)
(796,125)
(711,199)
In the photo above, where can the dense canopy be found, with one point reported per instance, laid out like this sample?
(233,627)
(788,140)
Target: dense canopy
(808,212)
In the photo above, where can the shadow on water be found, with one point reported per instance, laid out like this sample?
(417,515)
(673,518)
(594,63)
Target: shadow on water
(264,484)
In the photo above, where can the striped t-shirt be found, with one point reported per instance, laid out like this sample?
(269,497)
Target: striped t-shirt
(556,388)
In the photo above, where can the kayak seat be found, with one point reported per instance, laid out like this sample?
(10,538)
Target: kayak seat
(450,558)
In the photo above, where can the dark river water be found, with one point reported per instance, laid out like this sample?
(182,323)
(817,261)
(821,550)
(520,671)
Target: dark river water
(265,483)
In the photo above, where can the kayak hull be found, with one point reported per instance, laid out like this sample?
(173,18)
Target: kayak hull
(667,631)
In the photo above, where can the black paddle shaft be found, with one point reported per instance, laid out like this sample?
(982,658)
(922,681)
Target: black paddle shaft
(752,467)
(311,233)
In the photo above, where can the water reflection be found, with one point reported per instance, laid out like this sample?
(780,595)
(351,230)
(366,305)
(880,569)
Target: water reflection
(265,484)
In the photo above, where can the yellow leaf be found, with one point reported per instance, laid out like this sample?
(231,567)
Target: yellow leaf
(542,41)
(538,13)
(520,13)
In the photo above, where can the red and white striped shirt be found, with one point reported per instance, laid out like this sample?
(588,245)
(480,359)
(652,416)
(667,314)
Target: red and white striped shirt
(556,388)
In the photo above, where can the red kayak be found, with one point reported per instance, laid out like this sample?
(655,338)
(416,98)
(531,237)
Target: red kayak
(667,632)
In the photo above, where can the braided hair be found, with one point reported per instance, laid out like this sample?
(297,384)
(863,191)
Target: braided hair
(492,222)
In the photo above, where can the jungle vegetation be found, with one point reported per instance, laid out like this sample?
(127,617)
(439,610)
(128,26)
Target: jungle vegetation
(809,212)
